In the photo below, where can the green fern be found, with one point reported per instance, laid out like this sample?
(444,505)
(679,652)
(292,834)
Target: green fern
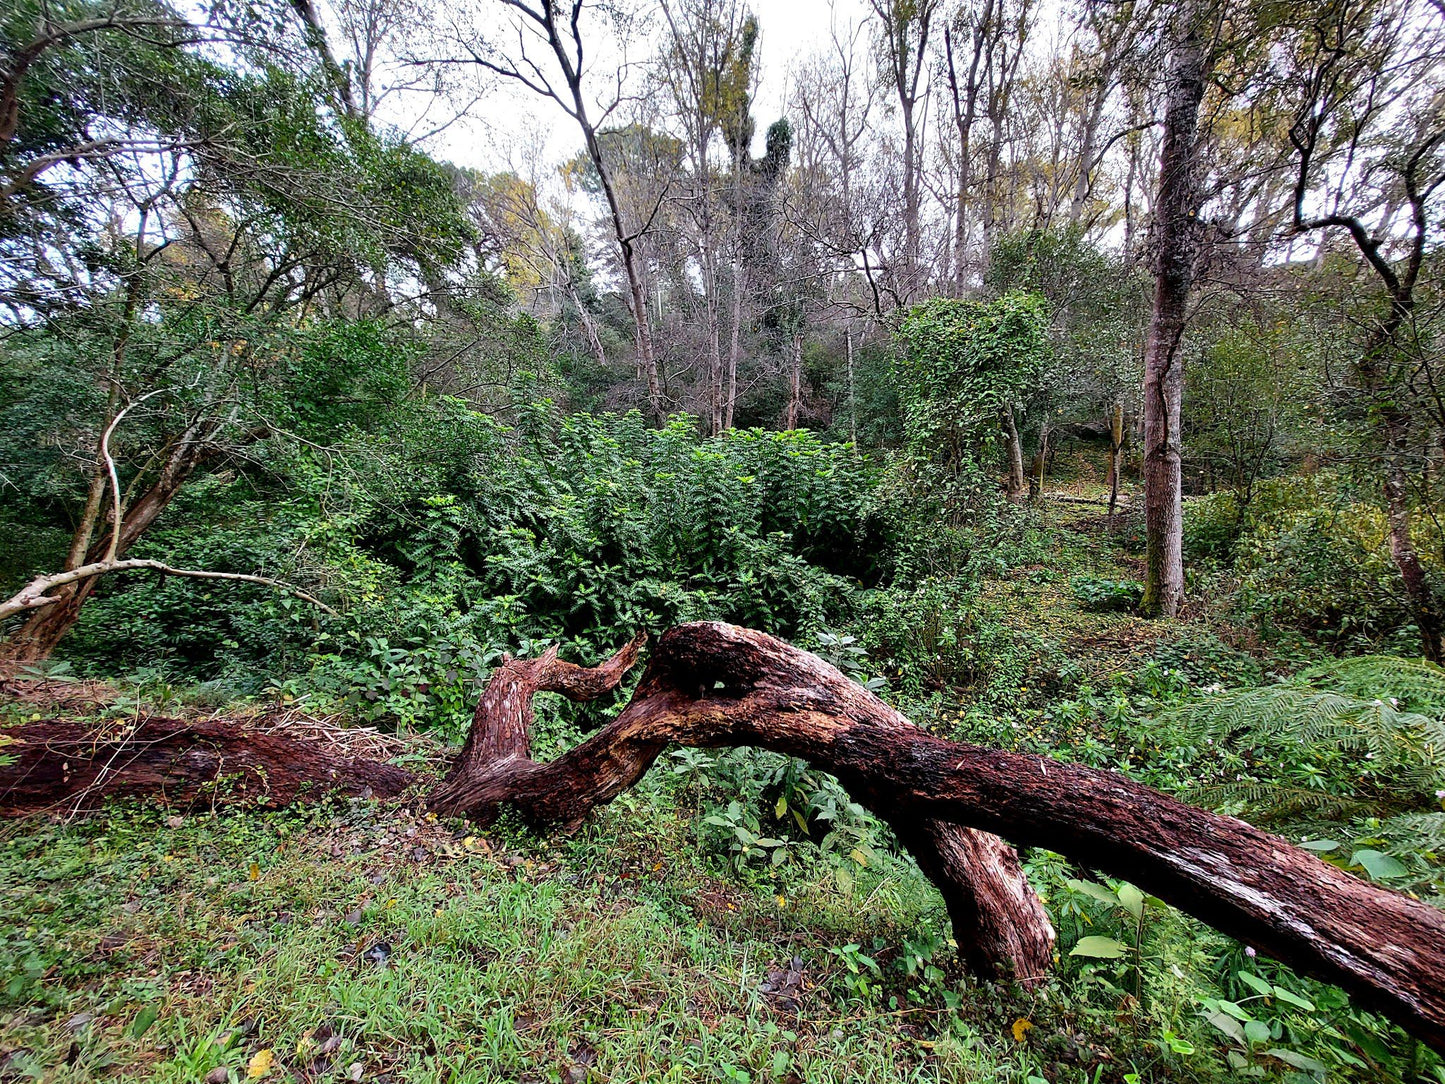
(1271,803)
(1294,712)
(1386,710)
(1418,684)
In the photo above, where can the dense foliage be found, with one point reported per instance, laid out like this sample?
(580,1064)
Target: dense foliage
(248,327)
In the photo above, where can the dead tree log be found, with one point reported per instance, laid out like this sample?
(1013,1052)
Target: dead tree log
(65,767)
(710,684)
(999,924)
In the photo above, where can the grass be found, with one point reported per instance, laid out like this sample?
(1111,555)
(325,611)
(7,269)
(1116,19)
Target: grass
(143,946)
(231,946)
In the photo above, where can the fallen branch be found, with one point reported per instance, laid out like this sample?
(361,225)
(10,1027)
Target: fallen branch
(710,684)
(35,594)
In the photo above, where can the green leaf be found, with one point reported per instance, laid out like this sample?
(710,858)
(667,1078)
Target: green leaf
(1099,948)
(1227,1024)
(781,1061)
(1294,999)
(1378,865)
(1256,1031)
(1255,983)
(781,809)
(143,1021)
(1096,891)
(1297,1060)
(1320,845)
(1132,900)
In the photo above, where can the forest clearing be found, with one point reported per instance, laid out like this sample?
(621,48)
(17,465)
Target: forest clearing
(883,540)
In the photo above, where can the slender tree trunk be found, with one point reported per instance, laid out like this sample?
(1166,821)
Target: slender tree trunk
(1039,465)
(1013,447)
(735,346)
(795,382)
(1116,453)
(965,102)
(1176,211)
(852,396)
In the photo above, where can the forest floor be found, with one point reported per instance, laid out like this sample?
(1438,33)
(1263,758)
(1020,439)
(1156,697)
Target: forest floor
(361,941)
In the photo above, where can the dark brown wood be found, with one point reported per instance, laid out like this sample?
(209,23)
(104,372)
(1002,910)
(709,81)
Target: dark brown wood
(711,684)
(68,767)
(1176,238)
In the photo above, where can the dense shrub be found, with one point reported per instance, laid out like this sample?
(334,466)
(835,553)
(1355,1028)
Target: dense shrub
(453,537)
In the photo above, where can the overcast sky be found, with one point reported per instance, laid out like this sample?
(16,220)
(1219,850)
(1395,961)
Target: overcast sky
(506,122)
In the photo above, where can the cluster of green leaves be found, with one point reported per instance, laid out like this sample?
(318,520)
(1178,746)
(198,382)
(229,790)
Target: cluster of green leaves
(448,536)
(1309,556)
(959,366)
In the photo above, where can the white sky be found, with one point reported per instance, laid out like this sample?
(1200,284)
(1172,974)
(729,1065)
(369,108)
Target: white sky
(506,123)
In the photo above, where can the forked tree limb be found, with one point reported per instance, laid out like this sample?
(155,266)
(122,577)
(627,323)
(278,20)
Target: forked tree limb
(35,594)
(710,684)
(999,923)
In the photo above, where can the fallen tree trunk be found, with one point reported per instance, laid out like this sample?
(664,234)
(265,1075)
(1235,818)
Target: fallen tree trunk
(999,924)
(710,684)
(68,768)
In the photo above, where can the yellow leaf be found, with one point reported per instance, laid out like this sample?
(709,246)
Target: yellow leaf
(782,900)
(858,856)
(1021,1028)
(254,873)
(260,1065)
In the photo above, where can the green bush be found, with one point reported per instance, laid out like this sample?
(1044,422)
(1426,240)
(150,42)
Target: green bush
(1102,595)
(453,537)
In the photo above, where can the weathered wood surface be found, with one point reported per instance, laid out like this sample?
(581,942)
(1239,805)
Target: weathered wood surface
(67,767)
(711,684)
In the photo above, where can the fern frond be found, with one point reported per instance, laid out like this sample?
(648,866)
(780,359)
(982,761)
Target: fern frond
(1418,684)
(1417,831)
(1272,802)
(1291,712)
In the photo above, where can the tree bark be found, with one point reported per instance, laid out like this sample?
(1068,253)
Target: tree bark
(43,631)
(1015,451)
(1177,240)
(795,383)
(69,768)
(711,684)
(1116,454)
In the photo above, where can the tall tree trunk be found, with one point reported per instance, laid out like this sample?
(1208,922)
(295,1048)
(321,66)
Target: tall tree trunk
(735,346)
(1014,449)
(852,393)
(965,103)
(1116,453)
(1039,465)
(795,382)
(1176,212)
